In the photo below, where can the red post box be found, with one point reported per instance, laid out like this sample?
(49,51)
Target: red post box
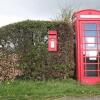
(52,40)
(87,31)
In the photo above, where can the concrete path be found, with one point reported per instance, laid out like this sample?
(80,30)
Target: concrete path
(83,98)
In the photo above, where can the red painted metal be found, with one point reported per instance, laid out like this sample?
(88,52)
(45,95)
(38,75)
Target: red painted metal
(52,40)
(87,30)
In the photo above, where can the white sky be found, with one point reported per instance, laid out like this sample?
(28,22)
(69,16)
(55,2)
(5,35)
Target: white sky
(17,10)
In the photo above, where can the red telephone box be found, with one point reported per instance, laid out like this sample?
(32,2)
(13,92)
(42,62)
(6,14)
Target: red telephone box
(87,31)
(52,40)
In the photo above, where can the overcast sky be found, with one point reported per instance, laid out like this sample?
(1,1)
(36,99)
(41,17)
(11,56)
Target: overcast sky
(17,10)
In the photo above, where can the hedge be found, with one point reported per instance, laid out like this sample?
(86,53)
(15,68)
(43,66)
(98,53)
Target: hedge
(28,40)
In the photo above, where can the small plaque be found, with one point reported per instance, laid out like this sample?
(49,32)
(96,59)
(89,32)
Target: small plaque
(52,44)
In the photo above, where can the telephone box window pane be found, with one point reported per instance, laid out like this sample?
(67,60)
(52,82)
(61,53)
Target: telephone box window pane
(90,39)
(91,42)
(91,54)
(91,73)
(90,33)
(91,46)
(91,60)
(91,66)
(90,26)
(84,60)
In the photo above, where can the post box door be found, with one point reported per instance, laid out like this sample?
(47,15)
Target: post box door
(90,51)
(52,43)
(52,40)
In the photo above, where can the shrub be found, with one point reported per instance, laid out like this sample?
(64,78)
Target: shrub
(28,40)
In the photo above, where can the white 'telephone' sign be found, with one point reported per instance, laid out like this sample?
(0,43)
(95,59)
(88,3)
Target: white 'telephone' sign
(89,16)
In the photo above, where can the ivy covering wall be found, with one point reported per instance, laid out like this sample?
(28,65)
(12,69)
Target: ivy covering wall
(28,41)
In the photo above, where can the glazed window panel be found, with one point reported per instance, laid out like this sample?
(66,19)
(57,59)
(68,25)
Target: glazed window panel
(89,33)
(90,26)
(91,73)
(91,67)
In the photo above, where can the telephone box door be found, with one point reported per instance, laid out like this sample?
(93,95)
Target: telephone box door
(90,51)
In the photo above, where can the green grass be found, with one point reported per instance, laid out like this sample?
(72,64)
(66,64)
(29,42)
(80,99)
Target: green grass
(30,90)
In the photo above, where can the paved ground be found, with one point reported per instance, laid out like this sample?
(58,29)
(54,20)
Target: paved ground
(84,98)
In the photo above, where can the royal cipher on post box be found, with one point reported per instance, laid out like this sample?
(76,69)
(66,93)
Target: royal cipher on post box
(87,30)
(52,40)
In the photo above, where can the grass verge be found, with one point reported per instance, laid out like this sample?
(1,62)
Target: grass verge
(30,90)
